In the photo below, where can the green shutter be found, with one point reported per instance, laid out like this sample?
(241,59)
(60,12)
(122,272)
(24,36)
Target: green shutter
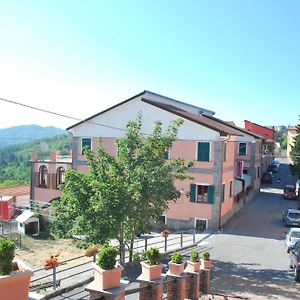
(203,151)
(193,188)
(211,194)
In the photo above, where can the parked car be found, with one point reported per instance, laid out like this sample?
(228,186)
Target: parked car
(291,217)
(289,192)
(295,260)
(267,177)
(292,237)
(273,168)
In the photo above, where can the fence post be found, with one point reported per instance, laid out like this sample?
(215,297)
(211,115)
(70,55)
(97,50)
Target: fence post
(166,241)
(146,243)
(94,257)
(54,277)
(194,235)
(181,239)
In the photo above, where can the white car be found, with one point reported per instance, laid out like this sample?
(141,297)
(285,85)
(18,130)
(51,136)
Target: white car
(292,237)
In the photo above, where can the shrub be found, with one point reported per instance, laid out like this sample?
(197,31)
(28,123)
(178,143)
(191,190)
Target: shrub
(7,253)
(106,258)
(206,255)
(153,256)
(91,250)
(176,258)
(194,256)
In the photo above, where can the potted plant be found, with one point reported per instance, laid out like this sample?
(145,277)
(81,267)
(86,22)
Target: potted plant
(14,274)
(51,262)
(193,264)
(165,233)
(176,265)
(206,262)
(106,274)
(92,250)
(151,267)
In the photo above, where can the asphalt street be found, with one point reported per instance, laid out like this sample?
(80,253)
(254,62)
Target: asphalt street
(249,255)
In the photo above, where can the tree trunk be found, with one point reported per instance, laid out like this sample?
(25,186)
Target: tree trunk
(131,247)
(122,246)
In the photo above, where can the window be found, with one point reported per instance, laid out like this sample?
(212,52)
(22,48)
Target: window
(43,177)
(85,144)
(203,151)
(224,151)
(230,189)
(258,171)
(245,171)
(167,155)
(223,193)
(242,148)
(200,224)
(202,193)
(60,176)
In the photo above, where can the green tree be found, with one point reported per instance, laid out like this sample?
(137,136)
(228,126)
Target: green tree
(119,195)
(295,153)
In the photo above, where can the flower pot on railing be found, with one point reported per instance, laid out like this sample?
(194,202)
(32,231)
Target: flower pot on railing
(176,265)
(165,233)
(92,250)
(106,274)
(151,267)
(205,261)
(51,262)
(193,264)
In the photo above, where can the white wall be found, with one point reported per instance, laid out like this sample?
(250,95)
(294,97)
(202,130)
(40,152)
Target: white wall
(119,116)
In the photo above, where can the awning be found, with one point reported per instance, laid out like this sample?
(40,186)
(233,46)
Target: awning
(25,216)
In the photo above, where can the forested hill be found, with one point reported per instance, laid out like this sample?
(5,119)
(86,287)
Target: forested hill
(14,165)
(27,133)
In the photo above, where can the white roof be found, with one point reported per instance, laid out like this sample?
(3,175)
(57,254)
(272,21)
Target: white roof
(26,215)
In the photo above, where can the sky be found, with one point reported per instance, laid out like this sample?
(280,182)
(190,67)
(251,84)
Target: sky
(240,59)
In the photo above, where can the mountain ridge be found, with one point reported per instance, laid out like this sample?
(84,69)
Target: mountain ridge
(25,133)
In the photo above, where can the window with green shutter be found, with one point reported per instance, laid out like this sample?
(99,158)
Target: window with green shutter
(211,194)
(193,188)
(203,151)
(199,193)
(230,189)
(223,193)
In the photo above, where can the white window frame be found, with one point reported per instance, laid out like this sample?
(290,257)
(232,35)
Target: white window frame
(201,219)
(81,147)
(239,148)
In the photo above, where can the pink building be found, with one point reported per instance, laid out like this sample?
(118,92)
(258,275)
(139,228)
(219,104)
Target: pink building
(47,175)
(217,147)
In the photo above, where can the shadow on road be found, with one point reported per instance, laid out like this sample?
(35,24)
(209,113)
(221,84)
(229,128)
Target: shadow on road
(267,283)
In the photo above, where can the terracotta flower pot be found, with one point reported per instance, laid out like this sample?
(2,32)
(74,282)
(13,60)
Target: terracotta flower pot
(107,279)
(16,285)
(192,266)
(206,264)
(176,269)
(151,273)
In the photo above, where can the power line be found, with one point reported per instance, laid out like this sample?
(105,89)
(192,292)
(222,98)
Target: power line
(61,115)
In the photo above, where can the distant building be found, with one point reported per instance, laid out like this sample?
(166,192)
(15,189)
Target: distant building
(290,140)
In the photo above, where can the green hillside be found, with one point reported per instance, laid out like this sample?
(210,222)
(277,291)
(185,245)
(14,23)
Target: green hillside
(14,159)
(27,133)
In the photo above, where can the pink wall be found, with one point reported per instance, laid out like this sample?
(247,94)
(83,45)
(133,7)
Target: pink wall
(46,195)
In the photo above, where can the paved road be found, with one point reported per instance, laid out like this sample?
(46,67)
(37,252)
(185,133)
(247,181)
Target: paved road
(250,257)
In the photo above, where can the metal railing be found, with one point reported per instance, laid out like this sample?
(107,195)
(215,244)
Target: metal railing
(164,244)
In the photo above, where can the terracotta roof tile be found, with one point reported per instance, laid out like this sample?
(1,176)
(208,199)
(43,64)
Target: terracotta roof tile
(19,190)
(201,119)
